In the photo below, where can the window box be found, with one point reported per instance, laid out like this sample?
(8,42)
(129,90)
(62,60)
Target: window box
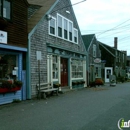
(8,86)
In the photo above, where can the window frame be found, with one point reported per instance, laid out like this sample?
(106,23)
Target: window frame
(94,50)
(58,27)
(76,36)
(77,69)
(2,7)
(63,29)
(52,27)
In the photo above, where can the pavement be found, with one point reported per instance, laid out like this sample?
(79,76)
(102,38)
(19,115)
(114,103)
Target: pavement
(97,108)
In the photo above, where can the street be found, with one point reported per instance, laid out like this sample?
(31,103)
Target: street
(83,109)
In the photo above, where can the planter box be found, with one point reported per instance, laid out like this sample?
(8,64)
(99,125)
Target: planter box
(6,90)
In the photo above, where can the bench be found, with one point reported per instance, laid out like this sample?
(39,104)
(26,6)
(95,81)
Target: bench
(45,88)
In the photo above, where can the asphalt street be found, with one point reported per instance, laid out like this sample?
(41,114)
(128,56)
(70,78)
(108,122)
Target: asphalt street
(83,109)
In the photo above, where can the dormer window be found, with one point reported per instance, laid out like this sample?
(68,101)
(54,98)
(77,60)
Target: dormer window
(5,9)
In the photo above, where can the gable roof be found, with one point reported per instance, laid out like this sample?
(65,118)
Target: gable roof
(106,47)
(88,40)
(45,6)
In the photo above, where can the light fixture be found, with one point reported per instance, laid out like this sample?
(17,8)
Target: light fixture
(68,12)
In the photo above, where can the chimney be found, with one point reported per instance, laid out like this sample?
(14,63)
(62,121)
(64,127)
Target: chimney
(115,42)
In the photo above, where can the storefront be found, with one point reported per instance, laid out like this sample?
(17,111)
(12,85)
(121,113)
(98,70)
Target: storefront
(66,68)
(11,69)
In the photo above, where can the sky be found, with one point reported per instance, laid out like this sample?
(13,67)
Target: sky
(106,19)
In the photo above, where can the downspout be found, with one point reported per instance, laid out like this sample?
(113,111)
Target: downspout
(28,70)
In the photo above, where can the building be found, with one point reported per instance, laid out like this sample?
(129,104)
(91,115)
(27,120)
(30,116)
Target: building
(94,57)
(55,44)
(13,46)
(115,60)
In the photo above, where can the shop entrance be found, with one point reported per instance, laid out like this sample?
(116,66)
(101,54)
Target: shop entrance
(64,72)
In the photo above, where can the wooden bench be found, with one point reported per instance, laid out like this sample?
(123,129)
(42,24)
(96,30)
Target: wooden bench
(45,88)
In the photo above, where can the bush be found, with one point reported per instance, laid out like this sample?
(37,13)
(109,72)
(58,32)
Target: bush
(99,81)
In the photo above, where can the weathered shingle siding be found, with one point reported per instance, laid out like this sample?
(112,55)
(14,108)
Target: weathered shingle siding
(32,9)
(41,36)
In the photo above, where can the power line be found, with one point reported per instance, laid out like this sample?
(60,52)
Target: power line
(68,6)
(114,27)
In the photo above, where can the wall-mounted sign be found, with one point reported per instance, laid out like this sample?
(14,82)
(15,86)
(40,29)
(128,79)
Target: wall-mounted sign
(39,55)
(3,37)
(97,60)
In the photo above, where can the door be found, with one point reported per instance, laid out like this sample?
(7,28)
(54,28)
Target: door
(64,72)
(108,72)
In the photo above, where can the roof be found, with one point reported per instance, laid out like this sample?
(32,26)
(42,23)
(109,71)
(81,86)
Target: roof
(87,39)
(45,6)
(106,47)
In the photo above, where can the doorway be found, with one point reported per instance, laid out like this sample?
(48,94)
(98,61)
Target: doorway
(64,72)
(108,72)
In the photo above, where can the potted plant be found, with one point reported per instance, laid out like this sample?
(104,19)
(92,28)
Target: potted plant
(98,81)
(56,85)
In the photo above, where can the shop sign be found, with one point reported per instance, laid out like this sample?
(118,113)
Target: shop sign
(97,60)
(3,37)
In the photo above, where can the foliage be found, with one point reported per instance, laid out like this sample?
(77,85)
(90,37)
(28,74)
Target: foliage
(57,85)
(99,81)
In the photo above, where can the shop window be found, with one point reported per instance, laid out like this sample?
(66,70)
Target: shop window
(55,67)
(8,67)
(77,68)
(5,9)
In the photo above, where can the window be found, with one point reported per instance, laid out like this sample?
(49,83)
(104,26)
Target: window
(94,50)
(5,9)
(70,30)
(77,68)
(75,35)
(8,65)
(53,26)
(65,29)
(55,67)
(59,26)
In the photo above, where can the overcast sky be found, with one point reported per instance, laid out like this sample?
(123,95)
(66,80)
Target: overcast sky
(107,19)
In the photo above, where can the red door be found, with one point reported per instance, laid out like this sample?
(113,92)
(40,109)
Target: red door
(64,72)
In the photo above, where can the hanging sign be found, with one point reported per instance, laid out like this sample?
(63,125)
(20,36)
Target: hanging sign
(3,37)
(97,60)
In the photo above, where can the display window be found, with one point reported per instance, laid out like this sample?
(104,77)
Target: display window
(8,67)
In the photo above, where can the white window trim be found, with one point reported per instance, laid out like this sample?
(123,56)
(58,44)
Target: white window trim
(77,35)
(55,27)
(67,29)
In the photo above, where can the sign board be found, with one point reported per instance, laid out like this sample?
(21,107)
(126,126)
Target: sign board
(39,56)
(3,37)
(97,60)
(103,61)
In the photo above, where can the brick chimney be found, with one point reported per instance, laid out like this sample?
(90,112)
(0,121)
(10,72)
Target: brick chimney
(115,42)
